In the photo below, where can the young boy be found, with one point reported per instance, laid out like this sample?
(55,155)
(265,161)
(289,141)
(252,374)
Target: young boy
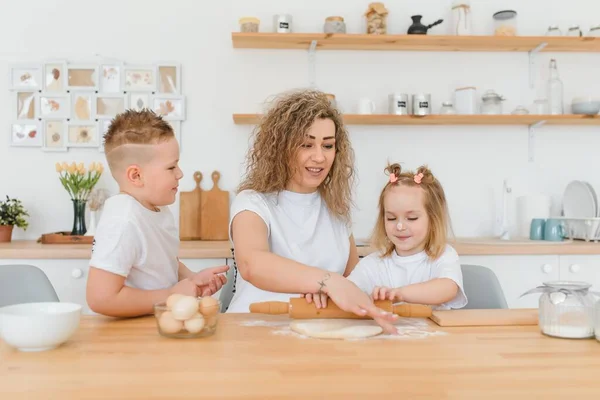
(134,260)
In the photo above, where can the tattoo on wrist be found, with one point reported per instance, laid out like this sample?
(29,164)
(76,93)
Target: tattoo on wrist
(322,283)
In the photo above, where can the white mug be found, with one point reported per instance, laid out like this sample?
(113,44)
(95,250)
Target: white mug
(366,106)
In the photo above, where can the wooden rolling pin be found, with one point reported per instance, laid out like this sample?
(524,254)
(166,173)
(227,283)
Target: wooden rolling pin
(298,308)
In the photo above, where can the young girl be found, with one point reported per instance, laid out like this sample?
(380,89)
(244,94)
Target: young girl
(415,264)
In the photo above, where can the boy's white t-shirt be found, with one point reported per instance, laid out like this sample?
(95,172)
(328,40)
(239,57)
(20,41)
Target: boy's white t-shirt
(395,271)
(137,243)
(300,227)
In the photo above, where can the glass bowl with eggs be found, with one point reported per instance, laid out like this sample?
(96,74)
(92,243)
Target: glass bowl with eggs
(187,316)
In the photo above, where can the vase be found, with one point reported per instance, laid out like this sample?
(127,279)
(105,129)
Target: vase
(78,217)
(92,224)
(6,233)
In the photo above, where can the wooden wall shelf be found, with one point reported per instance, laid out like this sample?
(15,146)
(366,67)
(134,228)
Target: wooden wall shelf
(414,42)
(388,119)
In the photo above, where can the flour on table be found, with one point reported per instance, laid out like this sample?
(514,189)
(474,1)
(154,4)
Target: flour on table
(264,323)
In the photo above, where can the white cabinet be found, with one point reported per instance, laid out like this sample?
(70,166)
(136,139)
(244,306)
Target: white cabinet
(517,274)
(581,268)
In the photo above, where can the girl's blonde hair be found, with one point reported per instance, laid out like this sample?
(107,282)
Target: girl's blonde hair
(435,206)
(278,138)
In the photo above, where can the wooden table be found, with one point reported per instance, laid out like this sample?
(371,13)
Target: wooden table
(110,359)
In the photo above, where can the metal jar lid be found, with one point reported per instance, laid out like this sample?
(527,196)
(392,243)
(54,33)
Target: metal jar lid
(505,14)
(491,95)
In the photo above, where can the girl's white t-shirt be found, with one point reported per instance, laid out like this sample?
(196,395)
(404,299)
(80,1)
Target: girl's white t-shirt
(300,227)
(395,271)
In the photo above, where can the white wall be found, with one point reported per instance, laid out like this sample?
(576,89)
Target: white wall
(219,80)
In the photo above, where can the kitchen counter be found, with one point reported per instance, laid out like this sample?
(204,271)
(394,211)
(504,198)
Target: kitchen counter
(110,359)
(25,249)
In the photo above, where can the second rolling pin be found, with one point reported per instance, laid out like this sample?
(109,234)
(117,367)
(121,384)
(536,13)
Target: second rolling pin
(298,308)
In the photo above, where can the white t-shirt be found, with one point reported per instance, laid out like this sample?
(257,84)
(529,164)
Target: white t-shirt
(396,271)
(300,227)
(137,243)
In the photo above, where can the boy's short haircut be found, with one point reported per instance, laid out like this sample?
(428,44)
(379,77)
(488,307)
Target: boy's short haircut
(135,128)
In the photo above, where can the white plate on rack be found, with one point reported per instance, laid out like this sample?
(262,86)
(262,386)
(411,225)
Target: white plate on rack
(595,198)
(579,200)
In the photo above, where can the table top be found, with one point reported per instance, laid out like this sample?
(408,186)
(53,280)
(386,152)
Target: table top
(257,357)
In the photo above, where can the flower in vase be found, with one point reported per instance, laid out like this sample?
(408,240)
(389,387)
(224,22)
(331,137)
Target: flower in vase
(77,180)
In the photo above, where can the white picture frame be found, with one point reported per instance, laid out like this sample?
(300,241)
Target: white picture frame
(83,134)
(25,76)
(54,132)
(170,107)
(54,76)
(83,105)
(168,78)
(137,101)
(20,133)
(104,125)
(82,77)
(111,77)
(139,78)
(108,105)
(24,105)
(52,105)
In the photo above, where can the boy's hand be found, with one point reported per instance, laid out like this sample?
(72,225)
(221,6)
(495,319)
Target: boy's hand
(210,280)
(385,293)
(185,287)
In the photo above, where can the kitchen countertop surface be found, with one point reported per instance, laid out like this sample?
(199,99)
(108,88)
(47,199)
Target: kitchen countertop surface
(257,357)
(29,249)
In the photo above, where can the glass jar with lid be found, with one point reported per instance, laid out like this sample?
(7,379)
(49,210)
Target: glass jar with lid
(249,24)
(447,108)
(491,103)
(574,30)
(566,309)
(505,23)
(553,30)
(334,24)
(594,31)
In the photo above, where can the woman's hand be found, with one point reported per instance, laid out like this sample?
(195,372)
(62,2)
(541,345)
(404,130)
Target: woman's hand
(320,300)
(350,298)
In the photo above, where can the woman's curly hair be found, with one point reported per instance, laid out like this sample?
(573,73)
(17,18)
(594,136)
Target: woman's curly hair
(278,138)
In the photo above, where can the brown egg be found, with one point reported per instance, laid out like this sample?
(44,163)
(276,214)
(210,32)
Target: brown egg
(209,306)
(168,324)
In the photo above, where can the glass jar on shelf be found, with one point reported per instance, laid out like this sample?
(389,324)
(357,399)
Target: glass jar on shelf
(505,23)
(376,19)
(334,24)
(491,103)
(594,31)
(574,30)
(553,30)
(249,24)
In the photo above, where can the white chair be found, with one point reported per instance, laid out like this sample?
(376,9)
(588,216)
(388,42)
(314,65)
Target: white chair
(482,288)
(25,284)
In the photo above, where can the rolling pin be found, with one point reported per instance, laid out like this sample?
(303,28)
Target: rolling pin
(298,308)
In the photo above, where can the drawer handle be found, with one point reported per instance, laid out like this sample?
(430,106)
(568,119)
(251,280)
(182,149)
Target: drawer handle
(76,273)
(575,268)
(547,268)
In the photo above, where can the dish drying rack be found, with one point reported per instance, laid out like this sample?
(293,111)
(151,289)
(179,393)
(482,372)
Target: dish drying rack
(587,229)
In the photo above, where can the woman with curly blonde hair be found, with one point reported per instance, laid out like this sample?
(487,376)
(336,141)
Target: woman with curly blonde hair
(290,222)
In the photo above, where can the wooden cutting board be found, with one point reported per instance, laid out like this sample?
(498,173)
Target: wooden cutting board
(500,317)
(215,212)
(189,212)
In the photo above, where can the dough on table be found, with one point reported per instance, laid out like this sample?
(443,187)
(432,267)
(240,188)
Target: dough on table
(336,328)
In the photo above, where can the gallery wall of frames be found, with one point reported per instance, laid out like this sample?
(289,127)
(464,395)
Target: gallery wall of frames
(58,105)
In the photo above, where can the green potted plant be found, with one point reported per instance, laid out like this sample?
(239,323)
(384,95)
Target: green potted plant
(12,213)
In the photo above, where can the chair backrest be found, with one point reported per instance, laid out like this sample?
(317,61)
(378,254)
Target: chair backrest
(24,284)
(482,288)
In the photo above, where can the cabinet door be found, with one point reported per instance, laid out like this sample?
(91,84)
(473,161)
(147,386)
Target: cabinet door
(517,274)
(69,278)
(581,268)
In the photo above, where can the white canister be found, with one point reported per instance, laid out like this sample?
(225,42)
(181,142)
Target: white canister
(530,207)
(282,23)
(461,18)
(366,106)
(398,104)
(421,104)
(465,100)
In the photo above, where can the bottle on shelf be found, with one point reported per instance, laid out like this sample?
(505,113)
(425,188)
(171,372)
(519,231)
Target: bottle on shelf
(555,90)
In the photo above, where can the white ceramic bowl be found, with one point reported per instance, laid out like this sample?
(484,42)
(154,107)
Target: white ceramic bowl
(586,105)
(38,326)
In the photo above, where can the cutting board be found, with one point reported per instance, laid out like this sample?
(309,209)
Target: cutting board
(500,317)
(215,212)
(189,211)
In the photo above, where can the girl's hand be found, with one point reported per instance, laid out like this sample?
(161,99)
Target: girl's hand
(350,298)
(320,300)
(385,293)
